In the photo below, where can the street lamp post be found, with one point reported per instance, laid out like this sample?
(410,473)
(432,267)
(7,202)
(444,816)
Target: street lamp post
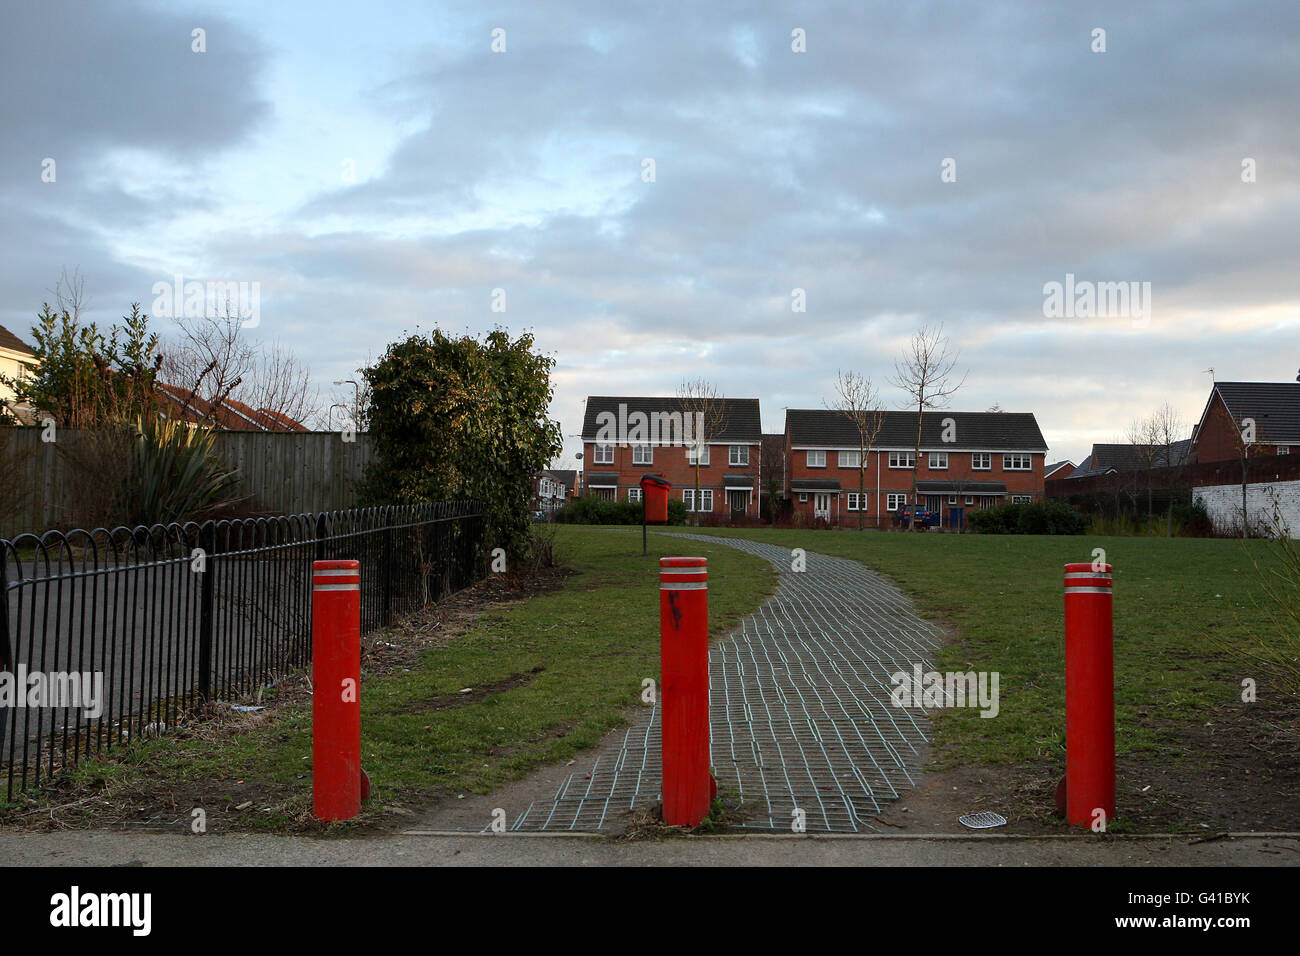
(356,401)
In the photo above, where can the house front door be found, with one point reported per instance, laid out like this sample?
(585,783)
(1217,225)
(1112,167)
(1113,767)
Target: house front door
(737,501)
(822,506)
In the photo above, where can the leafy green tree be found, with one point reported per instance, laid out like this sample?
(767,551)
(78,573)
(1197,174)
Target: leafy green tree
(84,378)
(455,418)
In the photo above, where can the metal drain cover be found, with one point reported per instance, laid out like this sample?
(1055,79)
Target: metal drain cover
(983,821)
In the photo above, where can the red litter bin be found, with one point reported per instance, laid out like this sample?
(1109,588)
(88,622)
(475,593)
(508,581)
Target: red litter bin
(654,494)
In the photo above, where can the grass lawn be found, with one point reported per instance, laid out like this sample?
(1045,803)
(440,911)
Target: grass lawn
(548,676)
(1185,617)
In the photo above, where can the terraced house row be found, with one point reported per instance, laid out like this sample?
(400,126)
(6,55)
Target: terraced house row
(968,460)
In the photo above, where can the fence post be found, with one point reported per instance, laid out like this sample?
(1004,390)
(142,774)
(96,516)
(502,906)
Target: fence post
(6,661)
(1089,695)
(387,574)
(336,697)
(207,607)
(320,536)
(684,689)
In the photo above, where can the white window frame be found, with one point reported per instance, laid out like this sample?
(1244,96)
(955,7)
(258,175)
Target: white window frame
(952,499)
(1022,499)
(1012,456)
(704,456)
(985,456)
(970,500)
(816,459)
(634,494)
(895,500)
(643,455)
(706,496)
(902,459)
(850,459)
(603,455)
(738,455)
(803,497)
(936,456)
(851,502)
(1284,449)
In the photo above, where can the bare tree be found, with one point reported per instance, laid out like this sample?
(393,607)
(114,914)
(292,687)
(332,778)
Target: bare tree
(1141,437)
(772,466)
(1244,439)
(925,373)
(703,402)
(859,401)
(212,360)
(1167,429)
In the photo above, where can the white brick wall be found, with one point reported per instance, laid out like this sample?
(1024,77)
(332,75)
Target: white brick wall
(1263,501)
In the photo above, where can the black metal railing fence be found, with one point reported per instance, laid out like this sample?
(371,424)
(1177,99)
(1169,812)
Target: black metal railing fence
(169,616)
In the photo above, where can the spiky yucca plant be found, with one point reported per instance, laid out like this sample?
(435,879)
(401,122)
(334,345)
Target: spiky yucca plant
(176,475)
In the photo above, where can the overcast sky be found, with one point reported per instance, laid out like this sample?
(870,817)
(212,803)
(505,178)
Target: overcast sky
(774,170)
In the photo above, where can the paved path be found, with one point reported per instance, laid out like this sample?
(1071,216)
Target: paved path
(799,706)
(115,848)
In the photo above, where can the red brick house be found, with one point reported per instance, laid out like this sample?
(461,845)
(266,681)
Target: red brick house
(969,460)
(624,438)
(1273,407)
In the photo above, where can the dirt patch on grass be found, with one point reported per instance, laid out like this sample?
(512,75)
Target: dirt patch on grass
(1237,770)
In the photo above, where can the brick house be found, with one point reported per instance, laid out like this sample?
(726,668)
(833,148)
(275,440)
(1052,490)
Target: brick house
(549,493)
(1274,407)
(624,438)
(969,460)
(1059,469)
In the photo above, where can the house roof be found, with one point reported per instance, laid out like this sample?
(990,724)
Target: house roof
(1275,407)
(814,484)
(567,478)
(13,343)
(1107,458)
(228,415)
(740,420)
(1057,466)
(961,487)
(981,431)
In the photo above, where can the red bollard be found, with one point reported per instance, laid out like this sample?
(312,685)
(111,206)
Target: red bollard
(1089,695)
(336,701)
(684,689)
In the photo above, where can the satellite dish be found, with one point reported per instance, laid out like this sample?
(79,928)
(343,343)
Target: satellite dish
(578,455)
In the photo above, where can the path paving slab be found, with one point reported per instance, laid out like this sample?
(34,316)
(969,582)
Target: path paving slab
(800,711)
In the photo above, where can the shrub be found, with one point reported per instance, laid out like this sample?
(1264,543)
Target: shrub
(1036,517)
(591,509)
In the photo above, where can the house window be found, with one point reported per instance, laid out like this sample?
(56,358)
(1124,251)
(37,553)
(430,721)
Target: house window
(1016,463)
(606,494)
(894,502)
(850,459)
(816,459)
(1021,499)
(939,460)
(703,453)
(643,455)
(706,499)
(738,455)
(981,461)
(970,500)
(852,503)
(952,499)
(902,459)
(634,494)
(803,498)
(1284,449)
(604,455)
